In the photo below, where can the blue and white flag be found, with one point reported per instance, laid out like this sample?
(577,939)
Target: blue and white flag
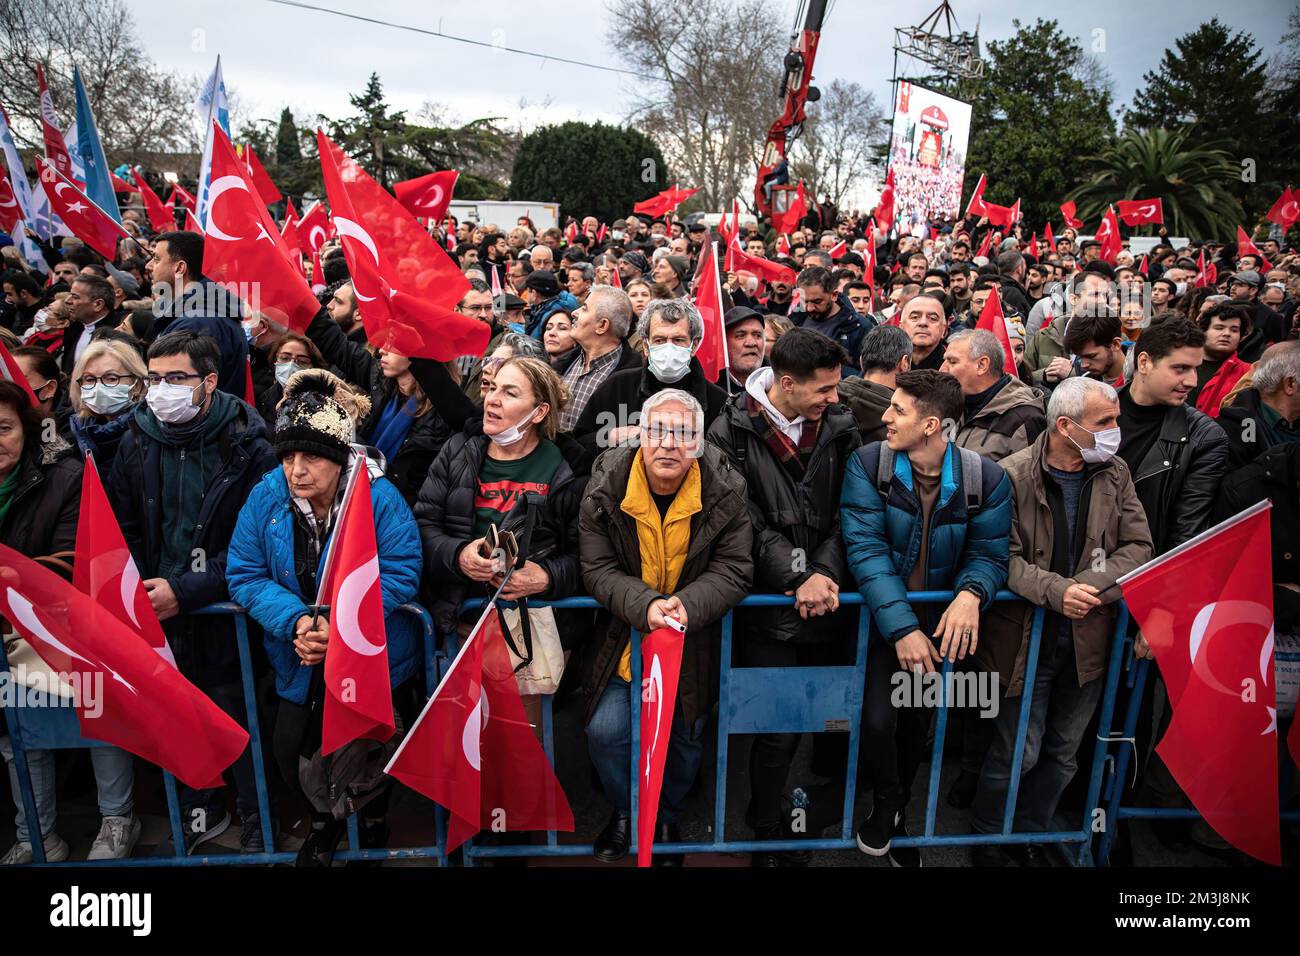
(31,252)
(88,149)
(211,105)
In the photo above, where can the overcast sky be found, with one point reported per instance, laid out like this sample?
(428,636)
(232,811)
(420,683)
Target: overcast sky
(276,55)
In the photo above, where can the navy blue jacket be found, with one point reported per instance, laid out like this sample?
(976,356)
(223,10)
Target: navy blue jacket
(882,539)
(208,309)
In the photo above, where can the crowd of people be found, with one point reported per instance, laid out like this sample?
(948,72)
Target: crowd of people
(863,436)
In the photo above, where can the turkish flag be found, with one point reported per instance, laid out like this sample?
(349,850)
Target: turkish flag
(11,214)
(1051,239)
(869,259)
(884,214)
(161,219)
(782,245)
(518,786)
(259,177)
(839,249)
(1206,610)
(250,393)
(789,221)
(615,279)
(984,246)
(600,233)
(427,196)
(1286,211)
(1207,273)
(765,269)
(712,352)
(664,202)
(993,320)
(192,223)
(315,227)
(406,287)
(129,695)
(1000,215)
(56,150)
(120,185)
(661,656)
(244,250)
(289,232)
(1136,212)
(359,699)
(440,757)
(105,570)
(187,199)
(1108,236)
(1033,245)
(976,204)
(10,371)
(1246,247)
(79,213)
(317,274)
(1068,210)
(1142,267)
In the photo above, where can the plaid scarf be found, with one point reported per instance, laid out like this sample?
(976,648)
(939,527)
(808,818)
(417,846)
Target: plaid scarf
(793,457)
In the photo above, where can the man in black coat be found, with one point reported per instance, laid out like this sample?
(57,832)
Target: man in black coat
(1268,413)
(789,438)
(181,475)
(674,330)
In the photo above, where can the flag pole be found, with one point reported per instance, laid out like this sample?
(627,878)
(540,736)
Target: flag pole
(1190,543)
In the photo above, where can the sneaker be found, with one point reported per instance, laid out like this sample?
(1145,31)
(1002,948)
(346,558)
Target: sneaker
(250,833)
(903,857)
(215,827)
(875,833)
(117,837)
(20,854)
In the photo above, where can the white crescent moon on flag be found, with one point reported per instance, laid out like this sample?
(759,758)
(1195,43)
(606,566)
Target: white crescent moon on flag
(312,243)
(656,695)
(346,227)
(215,190)
(351,593)
(432,196)
(25,617)
(59,186)
(129,581)
(1291,210)
(8,193)
(474,724)
(1227,613)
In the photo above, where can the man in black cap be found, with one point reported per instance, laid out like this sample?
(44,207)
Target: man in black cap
(1266,325)
(1089,251)
(744,329)
(544,296)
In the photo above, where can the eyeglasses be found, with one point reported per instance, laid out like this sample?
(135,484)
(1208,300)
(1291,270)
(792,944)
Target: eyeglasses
(109,378)
(659,434)
(302,361)
(477,309)
(171,378)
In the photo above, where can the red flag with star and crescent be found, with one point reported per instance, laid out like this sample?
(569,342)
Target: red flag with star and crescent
(244,250)
(1246,247)
(406,312)
(79,213)
(358,698)
(1286,211)
(427,196)
(661,657)
(139,701)
(315,227)
(1137,212)
(161,218)
(1206,610)
(992,319)
(1068,212)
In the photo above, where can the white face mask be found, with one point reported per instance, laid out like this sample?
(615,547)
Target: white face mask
(173,404)
(106,399)
(283,370)
(514,433)
(1105,444)
(41,321)
(669,362)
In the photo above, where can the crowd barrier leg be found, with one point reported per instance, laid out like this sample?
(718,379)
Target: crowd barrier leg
(1022,722)
(1138,686)
(1118,649)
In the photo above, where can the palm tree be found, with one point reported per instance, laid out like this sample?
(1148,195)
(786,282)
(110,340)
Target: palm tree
(1190,180)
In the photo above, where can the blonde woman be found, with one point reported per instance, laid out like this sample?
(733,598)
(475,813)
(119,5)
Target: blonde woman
(108,382)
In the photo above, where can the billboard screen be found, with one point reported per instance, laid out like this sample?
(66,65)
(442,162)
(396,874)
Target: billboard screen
(927,152)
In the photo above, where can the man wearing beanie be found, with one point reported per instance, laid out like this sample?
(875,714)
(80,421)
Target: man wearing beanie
(544,296)
(276,555)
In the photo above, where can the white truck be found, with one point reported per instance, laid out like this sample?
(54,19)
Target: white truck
(505,214)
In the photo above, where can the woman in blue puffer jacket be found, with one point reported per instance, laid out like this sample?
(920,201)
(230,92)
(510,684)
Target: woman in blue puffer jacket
(278,549)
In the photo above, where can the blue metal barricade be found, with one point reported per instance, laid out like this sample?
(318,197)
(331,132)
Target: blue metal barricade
(801,700)
(57,728)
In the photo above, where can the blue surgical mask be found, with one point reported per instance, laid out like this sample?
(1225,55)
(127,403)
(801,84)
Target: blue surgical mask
(283,370)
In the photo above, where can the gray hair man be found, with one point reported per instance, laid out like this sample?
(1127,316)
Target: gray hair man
(1003,414)
(599,327)
(1267,413)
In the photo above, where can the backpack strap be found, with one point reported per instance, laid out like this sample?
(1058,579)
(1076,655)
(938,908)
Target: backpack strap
(885,470)
(972,479)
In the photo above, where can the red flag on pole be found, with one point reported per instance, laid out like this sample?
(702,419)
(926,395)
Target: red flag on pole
(615,279)
(794,213)
(1068,210)
(1286,211)
(186,198)
(191,222)
(1137,212)
(1033,245)
(1206,610)
(708,299)
(1246,247)
(289,232)
(992,319)
(884,214)
(783,245)
(1142,267)
(120,185)
(1003,216)
(11,213)
(427,196)
(409,315)
(1108,236)
(440,756)
(105,570)
(56,150)
(12,373)
(161,219)
(244,250)
(358,700)
(317,274)
(250,393)
(1051,239)
(315,227)
(1207,273)
(140,702)
(838,250)
(79,213)
(661,654)
(984,246)
(765,269)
